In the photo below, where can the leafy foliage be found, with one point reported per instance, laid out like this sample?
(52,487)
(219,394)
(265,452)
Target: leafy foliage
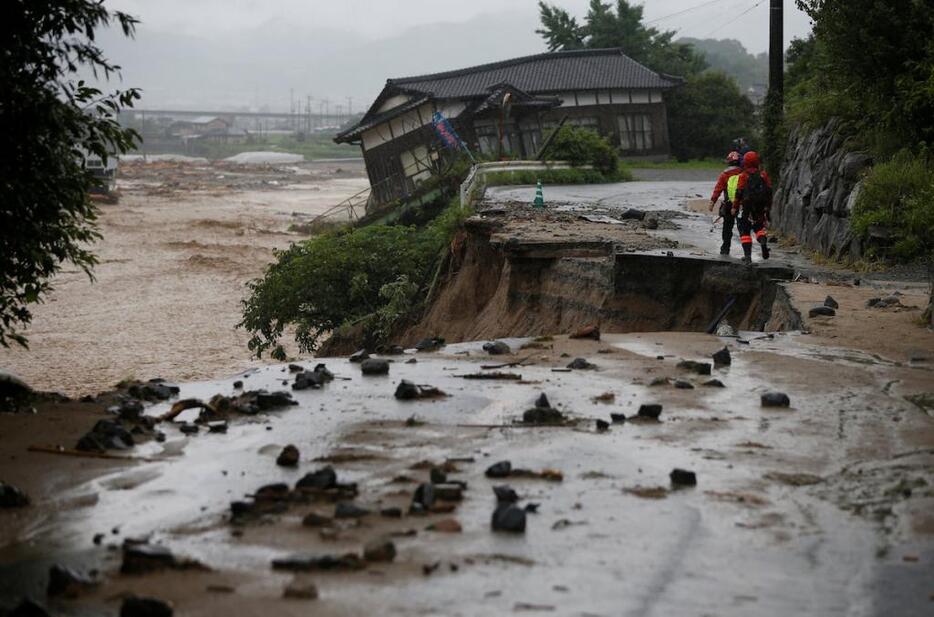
(876,58)
(622,27)
(369,276)
(706,114)
(899,195)
(49,121)
(580,146)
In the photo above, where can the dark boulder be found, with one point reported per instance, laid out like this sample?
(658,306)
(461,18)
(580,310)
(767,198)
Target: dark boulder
(508,517)
(497,348)
(359,356)
(501,469)
(829,301)
(505,494)
(288,457)
(683,477)
(602,426)
(775,399)
(633,214)
(430,344)
(424,496)
(375,366)
(310,563)
(701,368)
(136,606)
(581,364)
(321,479)
(821,311)
(380,549)
(12,497)
(722,358)
(618,418)
(348,509)
(650,410)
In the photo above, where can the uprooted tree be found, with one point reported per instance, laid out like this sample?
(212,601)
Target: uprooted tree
(50,121)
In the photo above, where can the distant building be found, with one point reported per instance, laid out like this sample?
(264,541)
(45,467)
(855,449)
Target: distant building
(199,125)
(506,108)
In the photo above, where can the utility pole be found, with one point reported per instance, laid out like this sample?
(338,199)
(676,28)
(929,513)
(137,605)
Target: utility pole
(775,99)
(349,106)
(776,49)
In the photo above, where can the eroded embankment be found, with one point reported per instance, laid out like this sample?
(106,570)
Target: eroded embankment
(498,286)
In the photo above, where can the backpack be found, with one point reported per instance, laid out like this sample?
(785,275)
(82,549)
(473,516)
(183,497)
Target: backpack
(758,194)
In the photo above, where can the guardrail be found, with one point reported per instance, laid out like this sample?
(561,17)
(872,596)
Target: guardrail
(476,180)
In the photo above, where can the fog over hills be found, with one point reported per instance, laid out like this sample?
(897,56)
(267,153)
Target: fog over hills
(258,67)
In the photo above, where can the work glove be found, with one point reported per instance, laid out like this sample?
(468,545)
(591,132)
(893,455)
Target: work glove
(710,207)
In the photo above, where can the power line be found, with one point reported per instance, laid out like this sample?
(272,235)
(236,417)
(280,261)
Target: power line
(682,11)
(734,20)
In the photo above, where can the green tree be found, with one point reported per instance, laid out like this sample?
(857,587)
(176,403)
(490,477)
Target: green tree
(706,114)
(621,27)
(49,121)
(880,53)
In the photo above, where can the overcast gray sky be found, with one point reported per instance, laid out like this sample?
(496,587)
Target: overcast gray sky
(253,52)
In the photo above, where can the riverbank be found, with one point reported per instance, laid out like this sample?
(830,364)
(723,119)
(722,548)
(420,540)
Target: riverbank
(176,254)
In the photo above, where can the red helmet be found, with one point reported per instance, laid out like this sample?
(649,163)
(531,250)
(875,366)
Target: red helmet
(732,158)
(751,159)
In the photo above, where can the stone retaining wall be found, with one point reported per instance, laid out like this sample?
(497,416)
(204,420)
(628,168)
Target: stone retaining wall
(817,191)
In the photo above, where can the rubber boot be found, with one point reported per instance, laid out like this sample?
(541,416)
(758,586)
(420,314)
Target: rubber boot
(747,253)
(765,247)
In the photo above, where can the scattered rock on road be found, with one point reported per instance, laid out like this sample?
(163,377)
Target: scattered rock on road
(381,549)
(497,348)
(683,477)
(829,301)
(12,497)
(581,364)
(501,469)
(375,366)
(321,479)
(722,358)
(821,311)
(508,517)
(359,356)
(701,368)
(650,410)
(136,606)
(288,457)
(408,391)
(430,344)
(775,399)
(67,583)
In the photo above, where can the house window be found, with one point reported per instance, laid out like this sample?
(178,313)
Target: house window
(416,164)
(635,132)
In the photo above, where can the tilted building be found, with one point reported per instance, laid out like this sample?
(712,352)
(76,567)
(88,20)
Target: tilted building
(505,108)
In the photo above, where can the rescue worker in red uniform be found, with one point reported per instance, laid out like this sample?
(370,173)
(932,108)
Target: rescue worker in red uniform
(753,204)
(726,185)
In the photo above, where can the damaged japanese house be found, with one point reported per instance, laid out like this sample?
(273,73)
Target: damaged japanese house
(505,108)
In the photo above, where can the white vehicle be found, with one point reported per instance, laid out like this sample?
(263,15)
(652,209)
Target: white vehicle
(106,174)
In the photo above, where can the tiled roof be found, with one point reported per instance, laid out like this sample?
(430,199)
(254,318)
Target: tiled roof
(548,73)
(587,69)
(368,122)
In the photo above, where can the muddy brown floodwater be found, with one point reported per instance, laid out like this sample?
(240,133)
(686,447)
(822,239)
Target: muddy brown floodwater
(176,253)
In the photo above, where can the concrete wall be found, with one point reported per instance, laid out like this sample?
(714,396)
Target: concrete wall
(817,191)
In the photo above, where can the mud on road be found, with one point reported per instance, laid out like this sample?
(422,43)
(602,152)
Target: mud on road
(820,508)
